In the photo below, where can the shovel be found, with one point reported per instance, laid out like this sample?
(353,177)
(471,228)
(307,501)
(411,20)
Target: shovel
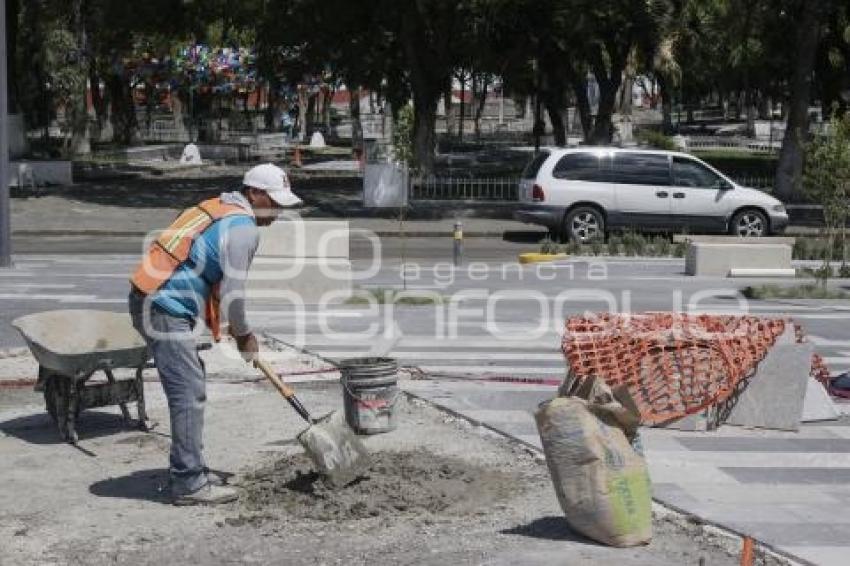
(336,451)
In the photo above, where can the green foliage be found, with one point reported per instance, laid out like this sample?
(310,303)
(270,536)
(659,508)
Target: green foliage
(807,291)
(392,296)
(655,139)
(597,247)
(547,246)
(827,181)
(60,53)
(403,136)
(615,244)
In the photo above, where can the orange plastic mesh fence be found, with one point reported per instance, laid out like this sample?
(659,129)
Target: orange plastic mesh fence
(673,364)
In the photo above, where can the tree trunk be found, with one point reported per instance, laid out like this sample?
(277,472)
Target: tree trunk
(583,105)
(98,102)
(557,120)
(789,171)
(302,113)
(272,103)
(356,124)
(483,83)
(125,128)
(13,9)
(79,143)
(424,138)
(328,96)
(666,104)
(462,78)
(447,103)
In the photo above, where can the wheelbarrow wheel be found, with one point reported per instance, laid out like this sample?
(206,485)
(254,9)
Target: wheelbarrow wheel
(55,394)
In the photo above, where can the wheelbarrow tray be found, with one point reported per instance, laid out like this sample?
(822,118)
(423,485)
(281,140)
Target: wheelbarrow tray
(79,342)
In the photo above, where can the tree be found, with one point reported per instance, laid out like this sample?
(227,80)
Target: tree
(827,181)
(809,17)
(431,34)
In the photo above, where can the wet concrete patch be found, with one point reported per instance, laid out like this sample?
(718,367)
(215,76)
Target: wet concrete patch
(396,483)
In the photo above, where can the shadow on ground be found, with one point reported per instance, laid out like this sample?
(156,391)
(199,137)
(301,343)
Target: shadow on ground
(40,428)
(548,528)
(144,485)
(524,236)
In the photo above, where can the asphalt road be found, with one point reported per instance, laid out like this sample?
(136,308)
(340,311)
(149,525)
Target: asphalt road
(492,317)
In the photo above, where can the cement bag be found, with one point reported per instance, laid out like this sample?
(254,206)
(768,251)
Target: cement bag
(602,484)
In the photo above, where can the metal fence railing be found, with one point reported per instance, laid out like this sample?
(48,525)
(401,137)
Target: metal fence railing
(764,182)
(458,188)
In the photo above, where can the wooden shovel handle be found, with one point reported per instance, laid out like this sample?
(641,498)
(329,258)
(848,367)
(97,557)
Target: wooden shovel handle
(267,370)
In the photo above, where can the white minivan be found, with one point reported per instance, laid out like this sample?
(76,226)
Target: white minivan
(581,193)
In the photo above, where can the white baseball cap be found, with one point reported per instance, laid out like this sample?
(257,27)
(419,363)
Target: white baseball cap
(272,179)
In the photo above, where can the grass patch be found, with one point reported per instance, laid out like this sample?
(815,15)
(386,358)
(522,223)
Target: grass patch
(394,296)
(808,291)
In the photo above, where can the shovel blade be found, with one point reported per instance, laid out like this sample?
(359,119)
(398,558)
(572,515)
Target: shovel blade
(334,449)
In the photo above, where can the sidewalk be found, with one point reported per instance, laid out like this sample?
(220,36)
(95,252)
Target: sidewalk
(475,498)
(59,216)
(789,491)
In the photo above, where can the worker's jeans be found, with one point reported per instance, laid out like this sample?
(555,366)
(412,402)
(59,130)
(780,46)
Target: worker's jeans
(183,379)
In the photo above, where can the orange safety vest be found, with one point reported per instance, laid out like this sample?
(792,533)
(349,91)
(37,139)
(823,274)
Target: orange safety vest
(171,250)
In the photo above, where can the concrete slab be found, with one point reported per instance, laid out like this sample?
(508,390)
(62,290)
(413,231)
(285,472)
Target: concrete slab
(773,397)
(817,404)
(40,173)
(717,259)
(717,239)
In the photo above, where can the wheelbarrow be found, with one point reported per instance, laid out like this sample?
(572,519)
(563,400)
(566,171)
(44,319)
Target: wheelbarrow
(70,347)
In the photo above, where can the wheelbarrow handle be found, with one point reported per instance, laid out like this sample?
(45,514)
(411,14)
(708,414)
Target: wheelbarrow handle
(287,392)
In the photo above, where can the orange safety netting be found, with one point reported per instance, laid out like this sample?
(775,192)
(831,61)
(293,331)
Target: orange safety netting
(673,364)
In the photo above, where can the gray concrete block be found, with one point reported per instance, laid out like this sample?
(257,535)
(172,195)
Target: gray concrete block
(773,397)
(53,172)
(718,259)
(818,405)
(716,239)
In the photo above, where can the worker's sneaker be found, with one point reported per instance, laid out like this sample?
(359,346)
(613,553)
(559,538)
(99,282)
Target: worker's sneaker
(210,494)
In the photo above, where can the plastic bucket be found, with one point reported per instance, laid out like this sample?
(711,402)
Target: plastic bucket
(370,393)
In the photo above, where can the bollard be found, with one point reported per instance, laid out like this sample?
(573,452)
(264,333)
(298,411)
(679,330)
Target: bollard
(296,158)
(458,243)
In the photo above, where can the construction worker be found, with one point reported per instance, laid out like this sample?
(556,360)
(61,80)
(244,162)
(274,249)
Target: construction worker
(195,265)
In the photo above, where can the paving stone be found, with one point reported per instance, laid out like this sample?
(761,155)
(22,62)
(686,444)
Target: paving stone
(732,444)
(800,534)
(838,476)
(774,396)
(818,406)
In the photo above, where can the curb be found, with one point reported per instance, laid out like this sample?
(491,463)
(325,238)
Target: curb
(380,233)
(535,257)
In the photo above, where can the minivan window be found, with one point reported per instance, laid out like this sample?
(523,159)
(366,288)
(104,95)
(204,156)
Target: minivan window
(641,169)
(690,173)
(533,166)
(579,167)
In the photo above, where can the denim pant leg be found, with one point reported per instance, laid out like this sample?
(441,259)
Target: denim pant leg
(183,379)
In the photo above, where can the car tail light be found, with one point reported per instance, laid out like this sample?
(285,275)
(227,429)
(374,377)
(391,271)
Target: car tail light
(537,194)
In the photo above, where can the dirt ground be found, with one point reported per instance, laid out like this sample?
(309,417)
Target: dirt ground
(439,491)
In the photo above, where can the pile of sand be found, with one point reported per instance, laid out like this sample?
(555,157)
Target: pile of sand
(395,483)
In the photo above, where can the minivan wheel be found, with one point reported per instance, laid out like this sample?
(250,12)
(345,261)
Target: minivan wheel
(584,224)
(748,224)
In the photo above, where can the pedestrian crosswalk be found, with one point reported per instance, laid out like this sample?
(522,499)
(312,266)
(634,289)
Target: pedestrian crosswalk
(508,337)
